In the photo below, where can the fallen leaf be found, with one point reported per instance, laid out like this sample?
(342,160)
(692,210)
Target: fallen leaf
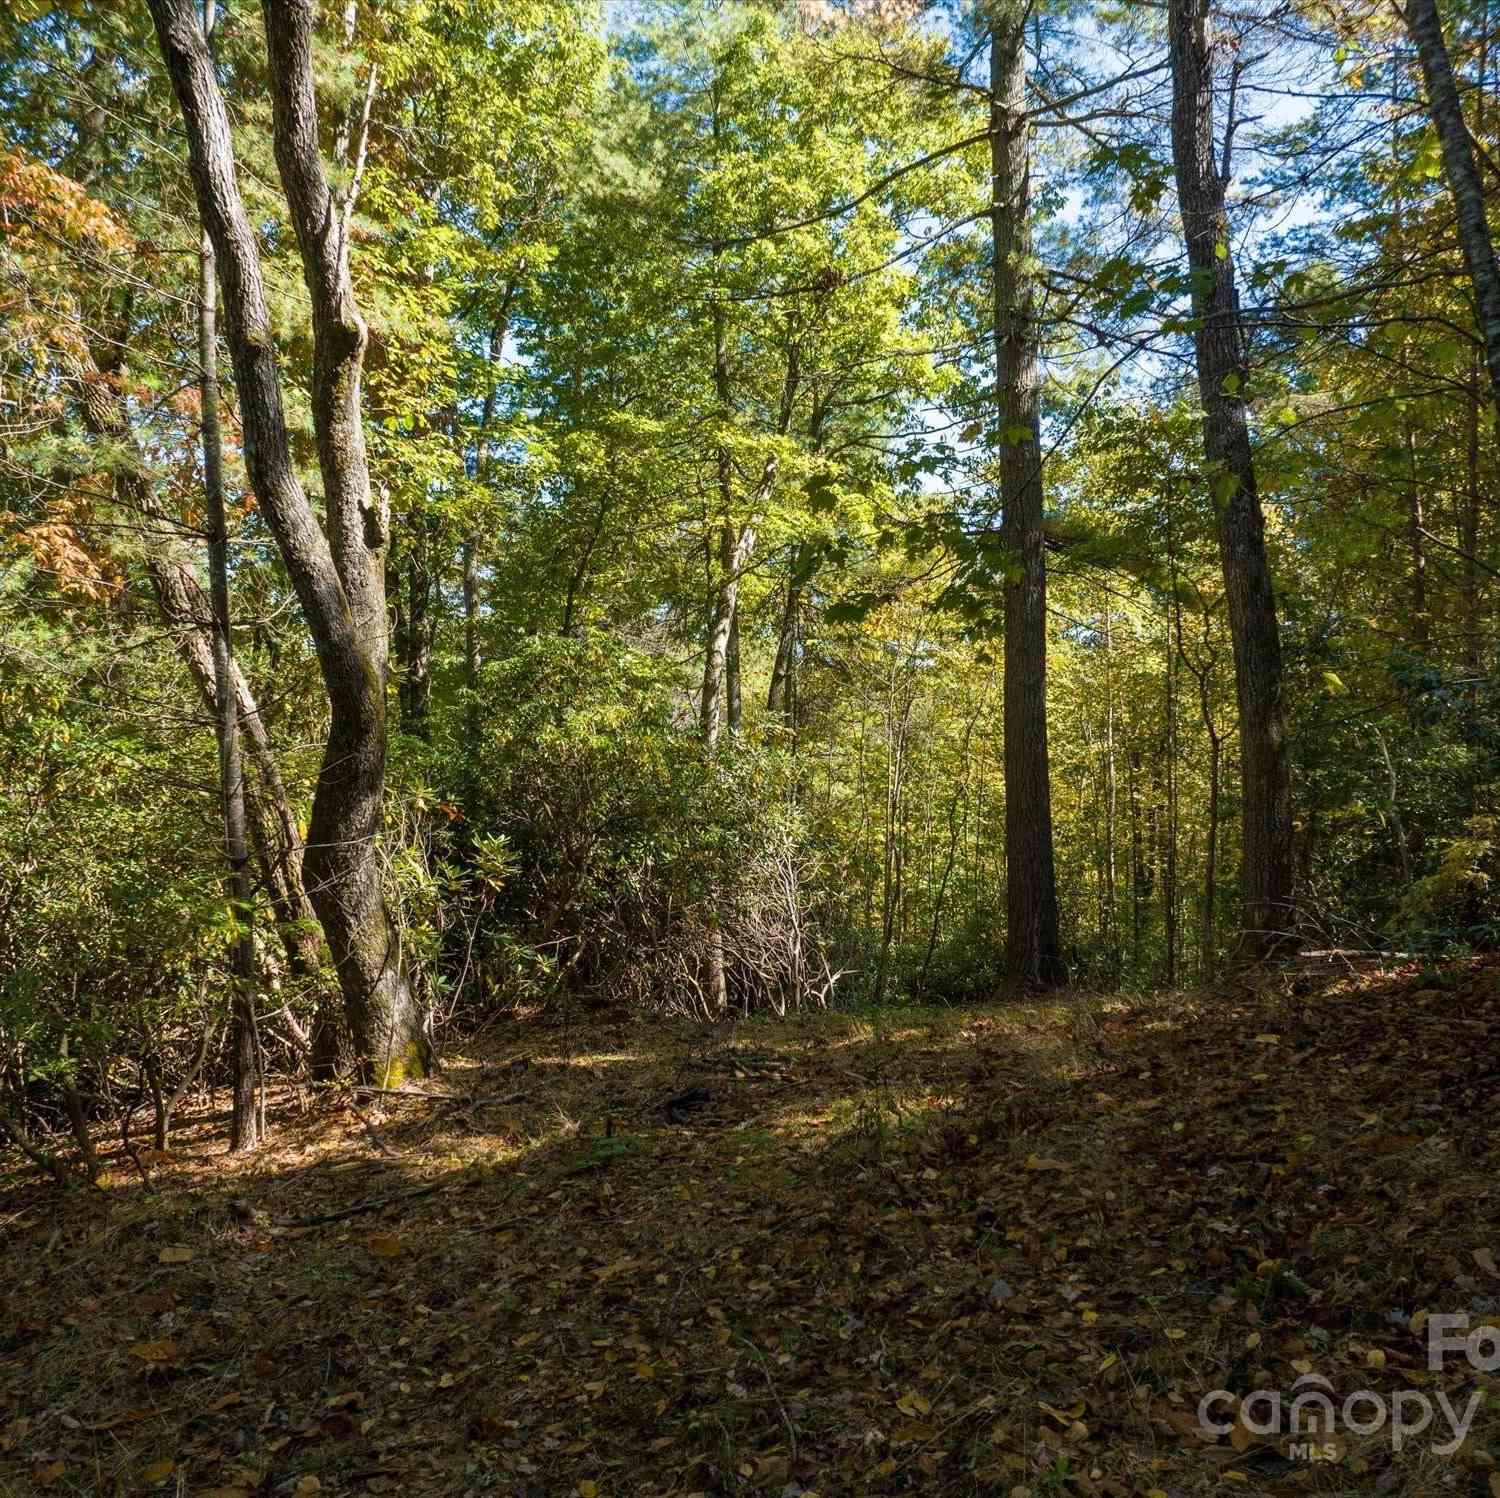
(44,1477)
(385,1245)
(175,1253)
(164,1350)
(1486,1261)
(159,1471)
(911,1432)
(590,1489)
(912,1403)
(1039,1162)
(609,1271)
(1389,1144)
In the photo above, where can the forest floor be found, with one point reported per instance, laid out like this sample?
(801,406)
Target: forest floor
(1002,1250)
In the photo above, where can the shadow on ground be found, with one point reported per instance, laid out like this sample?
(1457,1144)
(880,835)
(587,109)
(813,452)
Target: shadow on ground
(941,1252)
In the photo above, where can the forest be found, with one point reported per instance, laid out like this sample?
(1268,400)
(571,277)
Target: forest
(806,686)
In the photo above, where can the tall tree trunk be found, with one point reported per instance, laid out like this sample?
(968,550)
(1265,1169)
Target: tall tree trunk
(417,624)
(732,690)
(1267,916)
(736,545)
(338,577)
(781,700)
(1033,953)
(1111,806)
(244,1134)
(1202,673)
(470,548)
(1469,538)
(1169,845)
(1421,620)
(1426,28)
(188,613)
(1140,883)
(898,707)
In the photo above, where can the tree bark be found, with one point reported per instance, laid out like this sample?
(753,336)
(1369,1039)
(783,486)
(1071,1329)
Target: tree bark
(1468,535)
(1267,916)
(1111,921)
(1426,29)
(1033,954)
(244,1133)
(416,632)
(338,577)
(734,698)
(736,545)
(1421,620)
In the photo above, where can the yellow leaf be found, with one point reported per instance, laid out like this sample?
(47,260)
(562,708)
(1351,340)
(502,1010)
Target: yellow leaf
(1374,1358)
(308,1484)
(912,1403)
(1268,1040)
(44,1477)
(159,1471)
(384,1245)
(1039,1162)
(1175,1333)
(175,1253)
(1252,1341)
(588,1488)
(162,1351)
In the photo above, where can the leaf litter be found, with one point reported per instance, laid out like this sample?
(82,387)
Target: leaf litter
(1001,1250)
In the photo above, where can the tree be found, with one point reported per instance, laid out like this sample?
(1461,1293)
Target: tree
(339,577)
(1033,954)
(1426,27)
(1267,915)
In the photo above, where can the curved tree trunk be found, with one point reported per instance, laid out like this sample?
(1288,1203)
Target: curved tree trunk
(1267,916)
(1033,953)
(339,577)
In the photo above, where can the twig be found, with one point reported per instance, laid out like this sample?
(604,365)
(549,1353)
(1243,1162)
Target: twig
(370,1129)
(374,1204)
